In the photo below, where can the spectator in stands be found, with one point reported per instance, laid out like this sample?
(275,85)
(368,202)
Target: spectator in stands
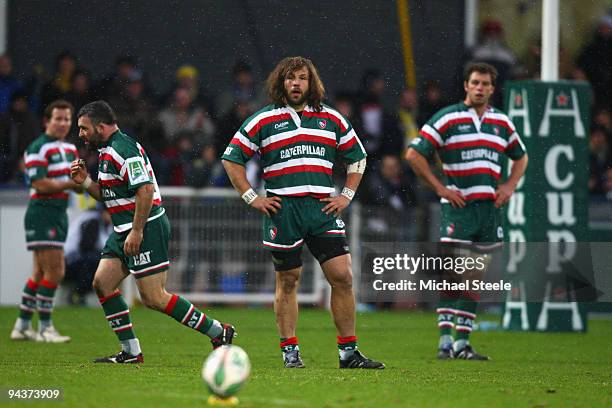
(343,101)
(595,62)
(186,126)
(188,77)
(84,243)
(389,187)
(243,89)
(61,83)
(493,50)
(112,85)
(602,117)
(80,93)
(18,127)
(408,112)
(378,128)
(600,160)
(228,124)
(8,83)
(133,107)
(431,102)
(532,62)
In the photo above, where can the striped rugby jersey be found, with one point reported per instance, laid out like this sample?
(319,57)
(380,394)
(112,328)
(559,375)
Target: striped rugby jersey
(470,148)
(48,157)
(123,166)
(297,153)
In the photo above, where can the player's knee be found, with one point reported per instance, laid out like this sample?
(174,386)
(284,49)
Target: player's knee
(342,280)
(152,301)
(98,287)
(288,281)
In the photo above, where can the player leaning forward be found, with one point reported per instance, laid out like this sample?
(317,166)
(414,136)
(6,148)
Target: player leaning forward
(139,243)
(298,139)
(470,138)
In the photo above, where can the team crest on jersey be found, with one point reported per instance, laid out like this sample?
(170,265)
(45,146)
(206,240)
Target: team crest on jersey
(105,166)
(496,130)
(450,229)
(273,232)
(340,223)
(322,123)
(500,232)
(52,233)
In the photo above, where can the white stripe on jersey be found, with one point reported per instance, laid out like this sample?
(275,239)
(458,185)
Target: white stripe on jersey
(301,190)
(474,137)
(476,164)
(263,115)
(292,133)
(303,161)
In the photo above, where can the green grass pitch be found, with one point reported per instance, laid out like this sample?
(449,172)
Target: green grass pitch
(527,370)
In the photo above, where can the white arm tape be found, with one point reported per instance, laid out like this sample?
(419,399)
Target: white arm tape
(249,196)
(357,167)
(87,182)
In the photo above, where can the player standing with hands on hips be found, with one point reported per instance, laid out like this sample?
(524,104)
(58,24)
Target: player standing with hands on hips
(139,243)
(470,138)
(298,138)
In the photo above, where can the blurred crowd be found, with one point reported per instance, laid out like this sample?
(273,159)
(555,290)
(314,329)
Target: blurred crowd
(185,129)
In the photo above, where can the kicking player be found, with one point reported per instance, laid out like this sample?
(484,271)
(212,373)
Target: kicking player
(47,160)
(470,139)
(139,243)
(298,138)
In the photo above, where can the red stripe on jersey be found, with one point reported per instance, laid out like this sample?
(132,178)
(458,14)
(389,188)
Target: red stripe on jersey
(499,122)
(471,172)
(263,122)
(480,196)
(326,115)
(36,196)
(170,305)
(348,144)
(55,173)
(475,143)
(51,152)
(108,157)
(511,145)
(37,163)
(110,183)
(430,138)
(246,149)
(128,207)
(453,122)
(307,193)
(298,139)
(297,169)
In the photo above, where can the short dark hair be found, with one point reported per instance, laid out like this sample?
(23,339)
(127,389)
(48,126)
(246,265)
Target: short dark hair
(57,104)
(99,112)
(480,67)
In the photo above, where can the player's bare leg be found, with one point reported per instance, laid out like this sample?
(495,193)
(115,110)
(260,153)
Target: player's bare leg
(286,312)
(339,274)
(340,277)
(153,293)
(285,301)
